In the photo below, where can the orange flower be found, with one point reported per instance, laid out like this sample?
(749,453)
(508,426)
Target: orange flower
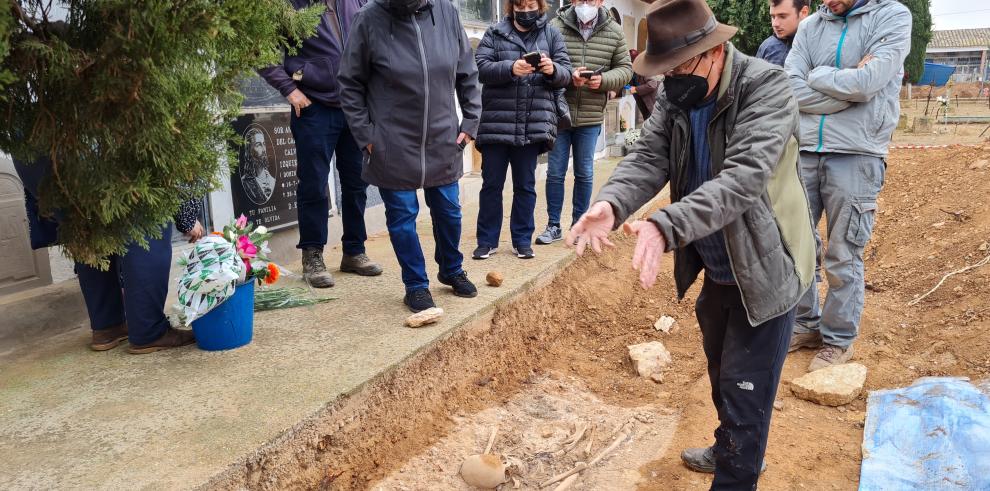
(273,273)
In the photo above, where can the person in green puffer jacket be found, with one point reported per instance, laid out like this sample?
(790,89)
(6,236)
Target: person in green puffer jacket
(595,43)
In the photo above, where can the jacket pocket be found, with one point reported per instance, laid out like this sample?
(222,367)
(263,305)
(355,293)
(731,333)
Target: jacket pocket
(861,220)
(319,74)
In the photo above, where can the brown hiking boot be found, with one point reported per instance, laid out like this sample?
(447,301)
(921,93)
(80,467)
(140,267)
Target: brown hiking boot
(314,269)
(360,264)
(109,338)
(830,355)
(173,338)
(812,340)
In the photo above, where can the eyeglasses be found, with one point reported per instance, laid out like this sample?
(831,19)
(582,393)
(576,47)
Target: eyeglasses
(687,67)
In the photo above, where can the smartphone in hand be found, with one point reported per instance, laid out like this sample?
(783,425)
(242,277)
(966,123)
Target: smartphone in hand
(533,59)
(588,73)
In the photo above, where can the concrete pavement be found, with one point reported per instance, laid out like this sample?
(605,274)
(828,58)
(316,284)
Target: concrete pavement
(75,419)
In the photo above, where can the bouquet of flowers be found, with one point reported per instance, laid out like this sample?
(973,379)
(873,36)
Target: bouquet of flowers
(251,244)
(221,261)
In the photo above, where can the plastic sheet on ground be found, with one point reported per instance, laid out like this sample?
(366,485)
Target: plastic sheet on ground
(933,435)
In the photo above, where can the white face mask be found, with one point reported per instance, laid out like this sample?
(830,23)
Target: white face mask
(586,12)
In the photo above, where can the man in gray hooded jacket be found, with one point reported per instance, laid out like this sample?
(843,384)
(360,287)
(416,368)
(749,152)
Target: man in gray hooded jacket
(846,67)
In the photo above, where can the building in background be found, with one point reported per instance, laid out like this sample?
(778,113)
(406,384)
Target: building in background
(965,49)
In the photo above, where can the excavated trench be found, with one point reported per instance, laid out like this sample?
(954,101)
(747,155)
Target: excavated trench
(553,348)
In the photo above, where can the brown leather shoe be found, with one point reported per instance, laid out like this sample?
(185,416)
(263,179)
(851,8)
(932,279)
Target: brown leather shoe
(109,338)
(173,338)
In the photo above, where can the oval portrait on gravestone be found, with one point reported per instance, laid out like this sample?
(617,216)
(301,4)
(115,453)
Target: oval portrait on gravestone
(257,164)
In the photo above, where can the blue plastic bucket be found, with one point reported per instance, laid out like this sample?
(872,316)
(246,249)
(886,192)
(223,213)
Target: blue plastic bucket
(230,325)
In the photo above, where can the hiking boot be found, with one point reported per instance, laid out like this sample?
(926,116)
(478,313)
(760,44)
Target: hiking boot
(461,284)
(812,340)
(173,338)
(314,269)
(703,460)
(419,300)
(830,355)
(484,252)
(523,252)
(552,234)
(109,338)
(360,264)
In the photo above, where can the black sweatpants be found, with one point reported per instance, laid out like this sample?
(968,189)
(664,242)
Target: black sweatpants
(744,365)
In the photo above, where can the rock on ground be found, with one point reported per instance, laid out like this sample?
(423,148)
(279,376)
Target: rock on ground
(426,317)
(833,386)
(494,278)
(664,324)
(650,359)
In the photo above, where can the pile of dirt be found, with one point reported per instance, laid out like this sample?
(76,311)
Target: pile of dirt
(966,90)
(558,358)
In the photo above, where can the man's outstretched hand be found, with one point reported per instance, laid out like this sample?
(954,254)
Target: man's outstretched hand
(650,245)
(592,228)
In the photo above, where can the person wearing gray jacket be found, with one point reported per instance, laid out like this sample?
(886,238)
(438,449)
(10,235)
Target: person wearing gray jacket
(845,67)
(403,65)
(723,135)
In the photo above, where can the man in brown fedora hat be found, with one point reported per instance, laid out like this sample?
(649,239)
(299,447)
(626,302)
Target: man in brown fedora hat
(724,136)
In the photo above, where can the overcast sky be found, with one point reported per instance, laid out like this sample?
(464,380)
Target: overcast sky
(960,14)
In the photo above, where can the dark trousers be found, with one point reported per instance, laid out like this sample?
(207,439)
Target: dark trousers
(744,365)
(133,290)
(401,210)
(496,161)
(319,133)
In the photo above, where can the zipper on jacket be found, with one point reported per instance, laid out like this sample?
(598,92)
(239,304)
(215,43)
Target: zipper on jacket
(426,101)
(838,64)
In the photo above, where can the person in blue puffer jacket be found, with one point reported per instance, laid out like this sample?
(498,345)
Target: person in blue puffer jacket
(518,118)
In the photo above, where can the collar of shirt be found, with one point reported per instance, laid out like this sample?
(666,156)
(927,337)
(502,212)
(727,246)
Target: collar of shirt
(588,25)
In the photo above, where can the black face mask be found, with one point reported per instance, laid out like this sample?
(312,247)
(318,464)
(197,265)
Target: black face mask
(526,19)
(686,91)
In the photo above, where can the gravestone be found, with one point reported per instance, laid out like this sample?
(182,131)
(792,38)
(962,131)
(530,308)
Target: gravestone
(20,267)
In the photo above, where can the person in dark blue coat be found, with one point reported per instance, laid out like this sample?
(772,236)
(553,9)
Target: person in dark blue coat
(126,302)
(518,117)
(785,17)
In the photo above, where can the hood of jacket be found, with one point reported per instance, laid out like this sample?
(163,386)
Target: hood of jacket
(568,17)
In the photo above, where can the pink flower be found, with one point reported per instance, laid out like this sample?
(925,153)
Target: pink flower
(241,221)
(247,248)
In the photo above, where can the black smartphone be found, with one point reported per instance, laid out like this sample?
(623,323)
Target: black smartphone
(462,145)
(590,73)
(533,59)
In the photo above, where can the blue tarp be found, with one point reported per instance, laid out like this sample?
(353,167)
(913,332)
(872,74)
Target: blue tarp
(936,73)
(933,435)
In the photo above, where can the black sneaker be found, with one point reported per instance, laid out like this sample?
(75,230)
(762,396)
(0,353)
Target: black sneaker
(461,284)
(523,252)
(419,300)
(484,252)
(703,460)
(552,234)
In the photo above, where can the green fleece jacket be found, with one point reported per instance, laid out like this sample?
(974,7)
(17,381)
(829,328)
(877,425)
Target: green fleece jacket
(605,48)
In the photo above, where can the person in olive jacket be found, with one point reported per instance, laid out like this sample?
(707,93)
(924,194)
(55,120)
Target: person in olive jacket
(402,65)
(518,118)
(597,48)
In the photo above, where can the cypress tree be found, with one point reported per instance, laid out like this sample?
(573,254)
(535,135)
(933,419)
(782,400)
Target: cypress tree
(131,102)
(921,34)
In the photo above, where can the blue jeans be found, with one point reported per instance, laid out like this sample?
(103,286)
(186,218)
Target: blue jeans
(583,139)
(401,210)
(319,133)
(496,160)
(844,187)
(132,290)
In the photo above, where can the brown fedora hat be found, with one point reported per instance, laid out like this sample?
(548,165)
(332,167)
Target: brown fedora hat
(678,30)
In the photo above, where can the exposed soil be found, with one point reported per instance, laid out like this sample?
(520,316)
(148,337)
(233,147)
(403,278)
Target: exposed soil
(557,359)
